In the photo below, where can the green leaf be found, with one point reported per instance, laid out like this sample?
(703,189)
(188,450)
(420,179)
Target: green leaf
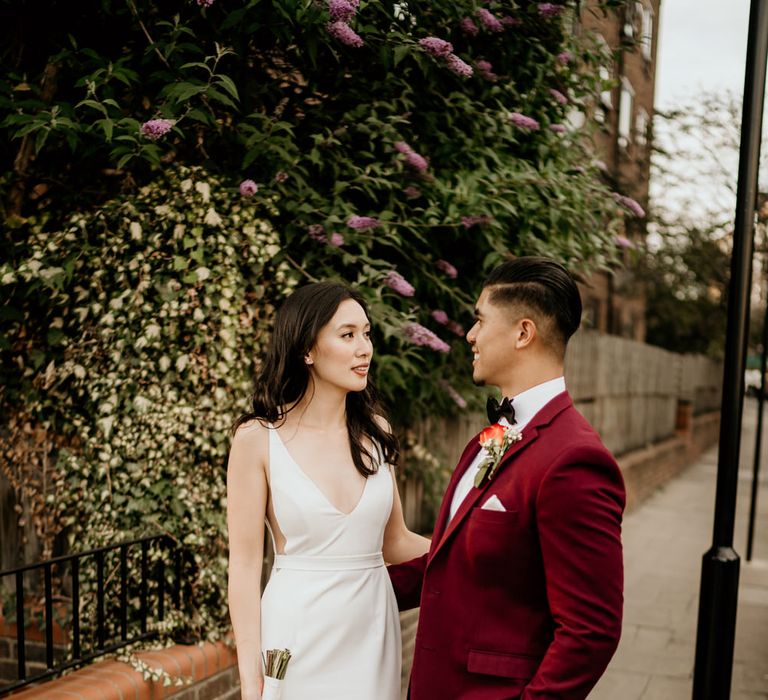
(220,97)
(401,52)
(181,92)
(93,104)
(228,84)
(40,139)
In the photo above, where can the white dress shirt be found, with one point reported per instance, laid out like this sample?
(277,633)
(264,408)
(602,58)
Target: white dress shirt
(526,404)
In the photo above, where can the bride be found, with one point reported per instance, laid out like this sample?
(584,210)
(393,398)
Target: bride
(314,460)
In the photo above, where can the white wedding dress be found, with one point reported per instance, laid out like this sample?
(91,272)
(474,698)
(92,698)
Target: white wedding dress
(329,599)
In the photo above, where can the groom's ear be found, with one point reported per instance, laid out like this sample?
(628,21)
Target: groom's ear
(525,333)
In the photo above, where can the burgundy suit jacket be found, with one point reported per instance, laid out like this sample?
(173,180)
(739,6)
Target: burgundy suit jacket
(524,603)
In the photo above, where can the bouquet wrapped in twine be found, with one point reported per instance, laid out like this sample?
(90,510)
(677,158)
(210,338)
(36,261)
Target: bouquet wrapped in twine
(275,666)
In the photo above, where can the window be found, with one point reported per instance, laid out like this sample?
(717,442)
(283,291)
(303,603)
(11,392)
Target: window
(641,128)
(646,36)
(626,99)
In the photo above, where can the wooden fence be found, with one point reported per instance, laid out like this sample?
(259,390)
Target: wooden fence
(630,391)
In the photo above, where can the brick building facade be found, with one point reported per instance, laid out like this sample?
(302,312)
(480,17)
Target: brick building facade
(615,303)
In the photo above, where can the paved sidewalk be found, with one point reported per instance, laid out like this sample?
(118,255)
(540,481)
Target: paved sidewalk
(664,540)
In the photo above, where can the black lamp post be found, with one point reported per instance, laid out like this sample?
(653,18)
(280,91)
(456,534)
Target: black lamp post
(718,596)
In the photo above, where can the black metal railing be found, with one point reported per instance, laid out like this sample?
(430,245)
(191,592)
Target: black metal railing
(117,620)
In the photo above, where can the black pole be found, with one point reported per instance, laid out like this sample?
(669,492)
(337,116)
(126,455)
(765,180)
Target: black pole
(718,595)
(758,441)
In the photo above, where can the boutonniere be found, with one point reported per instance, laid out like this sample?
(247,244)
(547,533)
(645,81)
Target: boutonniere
(495,440)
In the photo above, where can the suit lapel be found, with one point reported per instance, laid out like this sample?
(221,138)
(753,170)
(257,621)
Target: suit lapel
(470,452)
(530,433)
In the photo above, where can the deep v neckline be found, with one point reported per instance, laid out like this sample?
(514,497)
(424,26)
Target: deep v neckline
(314,483)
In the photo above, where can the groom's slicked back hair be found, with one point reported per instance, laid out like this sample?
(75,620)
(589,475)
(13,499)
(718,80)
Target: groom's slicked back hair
(542,287)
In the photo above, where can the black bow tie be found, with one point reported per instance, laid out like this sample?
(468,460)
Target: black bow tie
(498,410)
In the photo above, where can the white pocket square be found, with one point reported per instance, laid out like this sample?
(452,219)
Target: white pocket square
(493,503)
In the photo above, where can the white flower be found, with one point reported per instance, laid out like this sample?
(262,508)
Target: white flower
(135,229)
(212,218)
(106,425)
(203,273)
(205,190)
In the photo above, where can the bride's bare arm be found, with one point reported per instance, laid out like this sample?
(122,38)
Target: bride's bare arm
(400,544)
(246,506)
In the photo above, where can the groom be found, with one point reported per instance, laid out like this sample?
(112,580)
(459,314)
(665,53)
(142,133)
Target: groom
(521,591)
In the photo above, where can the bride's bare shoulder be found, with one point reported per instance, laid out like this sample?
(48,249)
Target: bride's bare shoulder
(252,429)
(250,444)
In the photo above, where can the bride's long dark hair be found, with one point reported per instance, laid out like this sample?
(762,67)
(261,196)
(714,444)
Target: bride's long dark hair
(284,376)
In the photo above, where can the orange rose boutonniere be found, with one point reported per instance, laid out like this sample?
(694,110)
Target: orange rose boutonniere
(495,440)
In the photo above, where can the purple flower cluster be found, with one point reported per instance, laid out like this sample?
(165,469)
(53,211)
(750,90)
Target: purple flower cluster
(469,27)
(394,280)
(317,233)
(523,122)
(470,221)
(155,129)
(412,192)
(439,48)
(630,204)
(248,188)
(205,3)
(549,9)
(448,269)
(418,335)
(362,222)
(417,162)
(456,65)
(558,128)
(344,33)
(486,71)
(442,318)
(281,176)
(489,21)
(560,98)
(509,21)
(623,242)
(341,10)
(457,398)
(564,58)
